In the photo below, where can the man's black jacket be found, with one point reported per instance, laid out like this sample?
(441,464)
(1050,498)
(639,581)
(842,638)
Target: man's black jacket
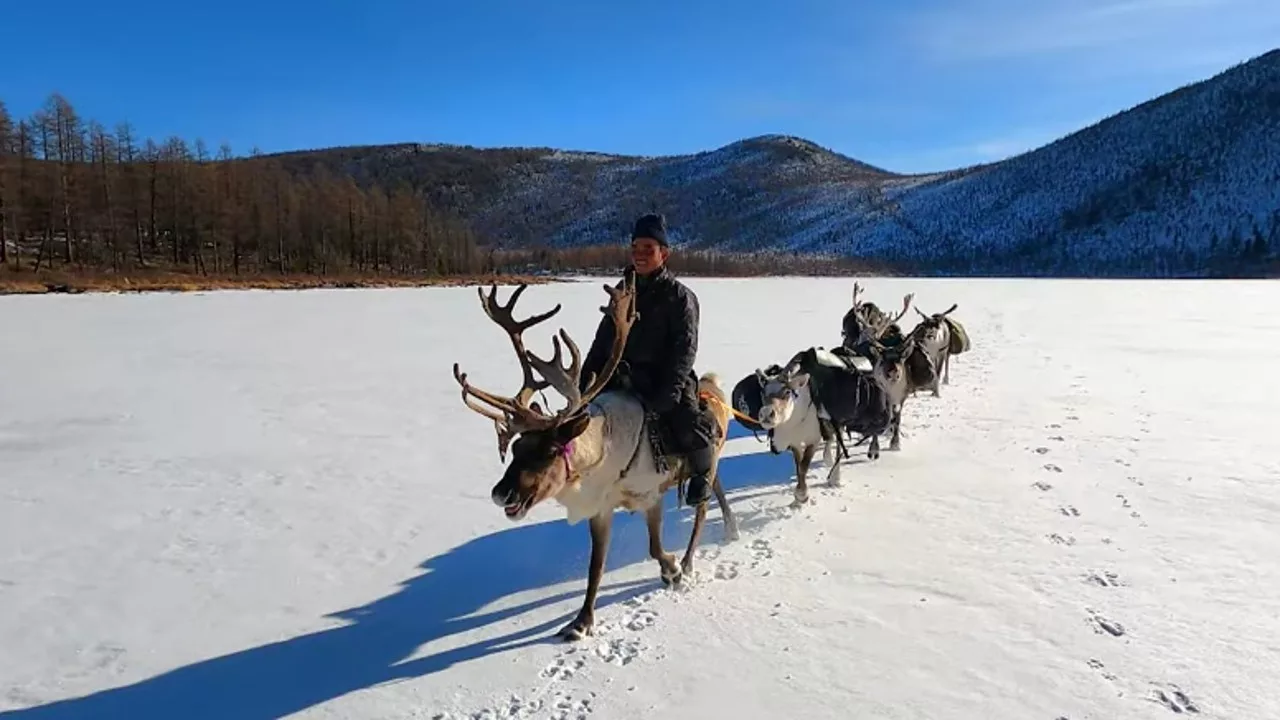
(663,344)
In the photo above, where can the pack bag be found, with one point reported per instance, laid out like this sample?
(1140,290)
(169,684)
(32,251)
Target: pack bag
(959,342)
(846,395)
(920,368)
(747,398)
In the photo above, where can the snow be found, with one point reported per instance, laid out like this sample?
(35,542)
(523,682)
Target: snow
(256,504)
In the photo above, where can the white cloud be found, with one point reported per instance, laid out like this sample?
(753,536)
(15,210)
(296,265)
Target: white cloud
(1135,34)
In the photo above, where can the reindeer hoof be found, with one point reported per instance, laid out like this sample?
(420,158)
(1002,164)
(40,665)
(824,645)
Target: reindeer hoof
(873,454)
(577,630)
(731,533)
(672,579)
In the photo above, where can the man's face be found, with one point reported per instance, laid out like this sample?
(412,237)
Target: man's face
(647,255)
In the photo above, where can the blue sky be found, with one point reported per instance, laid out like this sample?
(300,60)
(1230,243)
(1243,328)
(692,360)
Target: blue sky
(911,86)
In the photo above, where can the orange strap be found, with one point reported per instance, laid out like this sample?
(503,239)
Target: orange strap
(741,416)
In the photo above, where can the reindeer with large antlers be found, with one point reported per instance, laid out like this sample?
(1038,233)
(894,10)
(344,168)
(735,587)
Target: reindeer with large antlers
(593,456)
(859,319)
(889,364)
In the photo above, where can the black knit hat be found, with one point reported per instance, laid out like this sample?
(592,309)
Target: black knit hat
(652,226)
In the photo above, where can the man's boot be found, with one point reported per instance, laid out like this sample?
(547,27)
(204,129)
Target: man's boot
(697,491)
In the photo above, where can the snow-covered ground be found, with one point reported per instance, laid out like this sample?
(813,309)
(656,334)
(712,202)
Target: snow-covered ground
(253,504)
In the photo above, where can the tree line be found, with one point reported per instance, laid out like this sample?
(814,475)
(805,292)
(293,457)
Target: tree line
(76,197)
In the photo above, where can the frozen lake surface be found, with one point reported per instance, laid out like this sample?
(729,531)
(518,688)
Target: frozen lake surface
(257,504)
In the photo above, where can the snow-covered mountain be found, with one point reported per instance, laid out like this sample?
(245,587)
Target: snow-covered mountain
(1186,184)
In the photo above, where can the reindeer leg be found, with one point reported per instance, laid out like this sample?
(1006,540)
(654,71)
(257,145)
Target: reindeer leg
(726,515)
(895,442)
(802,458)
(833,475)
(582,626)
(946,369)
(699,519)
(873,452)
(667,568)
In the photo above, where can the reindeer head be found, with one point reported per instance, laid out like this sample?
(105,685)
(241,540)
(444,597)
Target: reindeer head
(932,330)
(889,362)
(779,389)
(540,456)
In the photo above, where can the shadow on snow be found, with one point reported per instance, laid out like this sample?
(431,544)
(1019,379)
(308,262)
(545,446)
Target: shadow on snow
(292,675)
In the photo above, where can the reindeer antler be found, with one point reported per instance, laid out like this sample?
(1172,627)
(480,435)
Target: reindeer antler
(940,315)
(566,380)
(857,290)
(879,329)
(518,413)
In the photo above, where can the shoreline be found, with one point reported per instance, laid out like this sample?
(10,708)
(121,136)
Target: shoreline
(61,283)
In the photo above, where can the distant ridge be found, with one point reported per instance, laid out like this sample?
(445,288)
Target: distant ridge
(1185,184)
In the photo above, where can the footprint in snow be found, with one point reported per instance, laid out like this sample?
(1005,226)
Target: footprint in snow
(562,668)
(1173,698)
(1052,468)
(1069,511)
(1041,485)
(1102,624)
(1057,539)
(1102,669)
(1105,578)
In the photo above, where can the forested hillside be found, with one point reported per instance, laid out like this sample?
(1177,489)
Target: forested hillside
(1186,184)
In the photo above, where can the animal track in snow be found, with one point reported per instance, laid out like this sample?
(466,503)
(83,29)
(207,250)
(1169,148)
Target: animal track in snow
(638,619)
(1173,698)
(1041,485)
(1060,540)
(1102,669)
(1052,468)
(619,651)
(1102,624)
(727,570)
(566,706)
(1105,578)
(563,668)
(761,551)
(1069,511)
(1042,450)
(560,705)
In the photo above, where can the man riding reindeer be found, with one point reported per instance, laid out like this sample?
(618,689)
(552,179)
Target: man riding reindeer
(657,363)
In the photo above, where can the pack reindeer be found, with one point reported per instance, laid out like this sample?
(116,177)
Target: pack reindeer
(933,337)
(593,456)
(889,366)
(846,396)
(861,317)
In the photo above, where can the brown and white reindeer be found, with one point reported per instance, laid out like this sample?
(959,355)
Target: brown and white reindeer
(933,337)
(594,456)
(792,411)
